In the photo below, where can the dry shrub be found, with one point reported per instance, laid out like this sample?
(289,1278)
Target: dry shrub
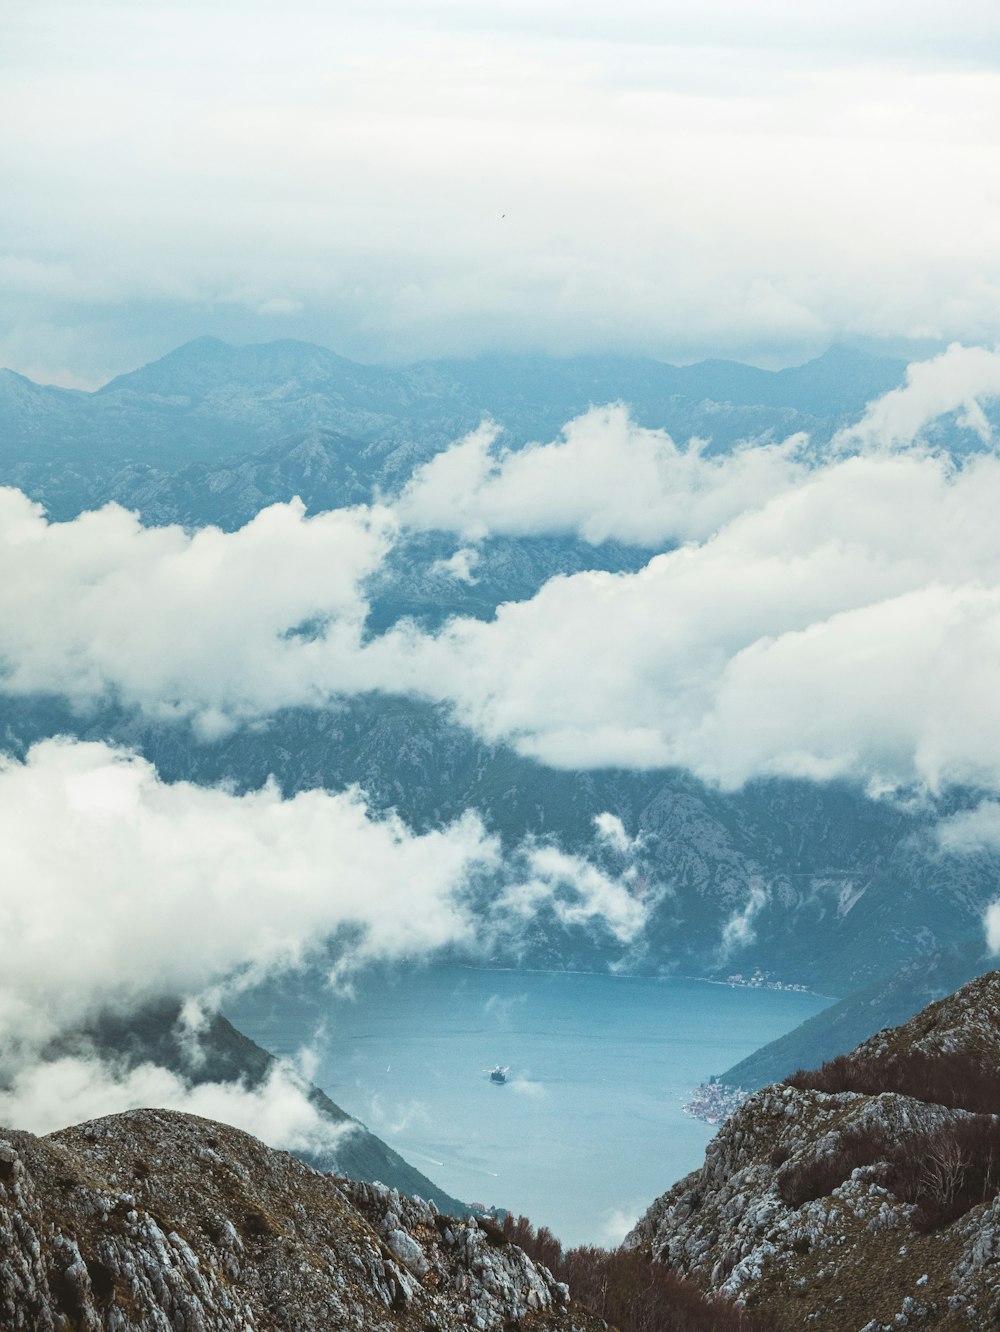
(954,1078)
(943,1173)
(629,1291)
(817,1178)
(949,1171)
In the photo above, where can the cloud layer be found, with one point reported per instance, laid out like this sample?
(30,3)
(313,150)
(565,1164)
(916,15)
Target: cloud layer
(142,888)
(839,619)
(210,626)
(605,479)
(957,381)
(848,627)
(401,180)
(120,888)
(49,1095)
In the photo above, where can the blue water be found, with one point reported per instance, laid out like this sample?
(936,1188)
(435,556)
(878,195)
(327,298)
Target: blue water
(589,1128)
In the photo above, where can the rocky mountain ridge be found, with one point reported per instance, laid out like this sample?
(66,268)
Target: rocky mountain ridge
(152,1220)
(888,1002)
(219,1053)
(863,1209)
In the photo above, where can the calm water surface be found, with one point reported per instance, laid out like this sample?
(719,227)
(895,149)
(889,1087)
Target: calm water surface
(590,1127)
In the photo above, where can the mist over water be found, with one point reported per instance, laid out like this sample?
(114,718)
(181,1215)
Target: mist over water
(590,1126)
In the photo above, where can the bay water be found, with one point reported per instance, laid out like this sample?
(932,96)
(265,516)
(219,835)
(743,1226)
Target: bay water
(590,1126)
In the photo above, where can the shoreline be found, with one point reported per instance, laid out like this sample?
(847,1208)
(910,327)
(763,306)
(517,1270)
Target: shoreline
(773,987)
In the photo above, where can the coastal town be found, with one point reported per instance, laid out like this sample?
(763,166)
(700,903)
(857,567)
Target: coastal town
(713,1102)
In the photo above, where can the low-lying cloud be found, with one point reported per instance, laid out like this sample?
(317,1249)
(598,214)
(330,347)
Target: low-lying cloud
(839,620)
(51,1094)
(957,381)
(212,626)
(969,832)
(846,628)
(577,891)
(605,478)
(121,889)
(142,888)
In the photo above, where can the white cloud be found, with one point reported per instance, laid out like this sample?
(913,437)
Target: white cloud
(848,627)
(578,892)
(738,930)
(968,832)
(617,1222)
(972,829)
(845,623)
(611,831)
(992,923)
(454,178)
(45,1096)
(460,566)
(955,382)
(202,626)
(119,887)
(604,478)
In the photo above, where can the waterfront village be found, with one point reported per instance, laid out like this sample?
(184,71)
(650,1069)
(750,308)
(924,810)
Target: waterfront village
(764,980)
(713,1101)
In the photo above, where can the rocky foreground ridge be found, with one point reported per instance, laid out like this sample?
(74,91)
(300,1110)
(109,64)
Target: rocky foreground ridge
(862,1196)
(158,1220)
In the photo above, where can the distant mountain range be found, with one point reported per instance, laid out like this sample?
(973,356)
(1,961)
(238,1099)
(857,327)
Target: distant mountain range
(287,417)
(851,888)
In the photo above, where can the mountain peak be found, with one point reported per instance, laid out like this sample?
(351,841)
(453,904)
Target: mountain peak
(154,1218)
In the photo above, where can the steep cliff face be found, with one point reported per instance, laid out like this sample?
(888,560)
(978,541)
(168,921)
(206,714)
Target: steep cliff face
(156,1220)
(856,1209)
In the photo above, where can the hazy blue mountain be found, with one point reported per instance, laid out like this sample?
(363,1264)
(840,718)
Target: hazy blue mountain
(302,411)
(889,1002)
(854,888)
(211,433)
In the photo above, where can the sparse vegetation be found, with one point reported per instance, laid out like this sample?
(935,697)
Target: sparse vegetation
(943,1173)
(948,1172)
(818,1177)
(955,1078)
(627,1289)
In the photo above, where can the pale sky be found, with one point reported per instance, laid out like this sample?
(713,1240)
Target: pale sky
(395,180)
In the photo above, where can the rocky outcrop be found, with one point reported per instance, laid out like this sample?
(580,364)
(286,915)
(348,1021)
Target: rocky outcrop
(798,1211)
(155,1034)
(157,1220)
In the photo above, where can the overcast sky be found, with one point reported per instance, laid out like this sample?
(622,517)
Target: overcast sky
(395,180)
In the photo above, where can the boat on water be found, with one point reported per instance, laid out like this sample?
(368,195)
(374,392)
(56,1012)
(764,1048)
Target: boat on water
(499,1074)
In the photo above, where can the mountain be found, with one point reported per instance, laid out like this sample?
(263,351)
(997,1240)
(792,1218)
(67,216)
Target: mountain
(209,404)
(848,888)
(862,1196)
(152,1220)
(225,1055)
(891,1001)
(853,888)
